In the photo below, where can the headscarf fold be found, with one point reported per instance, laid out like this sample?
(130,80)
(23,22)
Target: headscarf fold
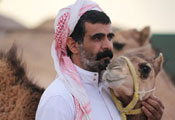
(65,23)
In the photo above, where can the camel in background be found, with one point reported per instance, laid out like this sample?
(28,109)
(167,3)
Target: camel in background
(134,40)
(131,38)
(18,95)
(35,46)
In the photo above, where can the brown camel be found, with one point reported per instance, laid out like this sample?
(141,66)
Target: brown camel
(119,78)
(19,97)
(133,40)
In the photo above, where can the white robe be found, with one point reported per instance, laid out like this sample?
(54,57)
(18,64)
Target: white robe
(57,102)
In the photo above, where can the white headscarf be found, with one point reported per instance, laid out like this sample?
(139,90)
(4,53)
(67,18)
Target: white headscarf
(65,23)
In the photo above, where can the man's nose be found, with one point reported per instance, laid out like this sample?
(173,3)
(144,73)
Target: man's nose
(107,44)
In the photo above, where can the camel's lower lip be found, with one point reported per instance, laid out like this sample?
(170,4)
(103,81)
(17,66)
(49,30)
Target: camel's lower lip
(110,81)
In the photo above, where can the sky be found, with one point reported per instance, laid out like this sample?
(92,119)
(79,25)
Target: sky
(159,14)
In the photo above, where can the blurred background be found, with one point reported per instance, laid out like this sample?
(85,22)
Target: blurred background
(30,25)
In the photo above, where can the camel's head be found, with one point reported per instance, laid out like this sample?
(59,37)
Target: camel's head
(132,38)
(118,75)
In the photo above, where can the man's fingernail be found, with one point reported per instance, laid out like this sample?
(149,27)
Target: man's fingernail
(143,107)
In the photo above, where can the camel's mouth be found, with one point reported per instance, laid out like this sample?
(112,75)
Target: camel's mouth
(112,77)
(116,80)
(115,83)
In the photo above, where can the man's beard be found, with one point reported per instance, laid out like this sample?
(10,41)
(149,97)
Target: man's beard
(94,63)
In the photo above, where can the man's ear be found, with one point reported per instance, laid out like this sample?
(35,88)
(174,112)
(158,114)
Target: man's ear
(72,45)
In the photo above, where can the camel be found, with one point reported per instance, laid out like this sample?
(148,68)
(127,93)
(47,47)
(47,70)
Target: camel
(126,85)
(18,95)
(133,40)
(35,44)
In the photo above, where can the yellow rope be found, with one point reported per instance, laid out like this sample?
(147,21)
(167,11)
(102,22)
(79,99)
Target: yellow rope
(128,110)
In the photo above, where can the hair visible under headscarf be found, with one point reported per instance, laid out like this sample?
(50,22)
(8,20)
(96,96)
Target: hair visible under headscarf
(91,16)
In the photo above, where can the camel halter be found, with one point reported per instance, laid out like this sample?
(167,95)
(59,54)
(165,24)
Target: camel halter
(129,109)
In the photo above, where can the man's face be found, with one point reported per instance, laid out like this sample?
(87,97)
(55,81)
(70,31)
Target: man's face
(96,49)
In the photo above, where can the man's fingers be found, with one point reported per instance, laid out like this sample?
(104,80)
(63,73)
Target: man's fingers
(151,111)
(147,113)
(158,100)
(153,108)
(156,104)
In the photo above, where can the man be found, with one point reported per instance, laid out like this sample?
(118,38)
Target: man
(81,50)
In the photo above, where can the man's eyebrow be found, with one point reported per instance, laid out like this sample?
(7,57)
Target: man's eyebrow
(97,35)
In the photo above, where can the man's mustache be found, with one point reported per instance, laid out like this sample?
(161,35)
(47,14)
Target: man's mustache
(107,53)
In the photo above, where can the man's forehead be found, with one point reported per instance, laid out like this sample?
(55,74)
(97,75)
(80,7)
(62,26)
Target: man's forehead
(98,28)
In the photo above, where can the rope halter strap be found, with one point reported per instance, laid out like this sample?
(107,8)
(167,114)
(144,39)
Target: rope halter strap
(129,109)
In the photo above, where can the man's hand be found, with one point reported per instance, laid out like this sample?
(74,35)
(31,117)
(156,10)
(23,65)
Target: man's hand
(153,108)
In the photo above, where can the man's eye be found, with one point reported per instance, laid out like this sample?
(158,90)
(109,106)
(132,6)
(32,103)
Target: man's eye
(110,37)
(97,38)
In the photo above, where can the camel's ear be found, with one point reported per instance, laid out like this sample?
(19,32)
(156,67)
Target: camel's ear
(158,62)
(145,34)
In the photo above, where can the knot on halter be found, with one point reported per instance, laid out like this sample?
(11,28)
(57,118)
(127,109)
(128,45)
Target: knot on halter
(144,92)
(129,109)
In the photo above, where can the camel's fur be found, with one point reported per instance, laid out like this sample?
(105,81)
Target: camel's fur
(19,97)
(164,88)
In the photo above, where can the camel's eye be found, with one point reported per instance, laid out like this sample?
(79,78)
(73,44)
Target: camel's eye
(118,46)
(144,70)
